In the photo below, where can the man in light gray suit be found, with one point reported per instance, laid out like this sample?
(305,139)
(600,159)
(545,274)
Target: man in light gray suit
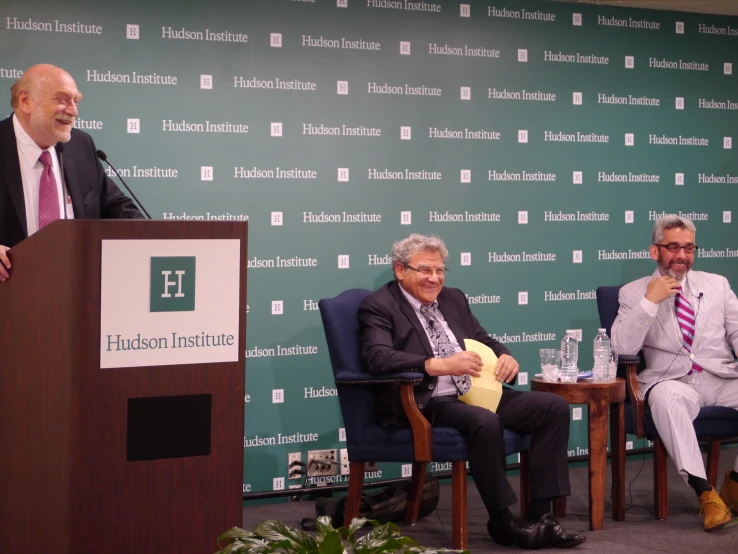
(686,323)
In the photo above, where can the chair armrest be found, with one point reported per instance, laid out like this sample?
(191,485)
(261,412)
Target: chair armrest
(634,391)
(408,379)
(419,425)
(361,378)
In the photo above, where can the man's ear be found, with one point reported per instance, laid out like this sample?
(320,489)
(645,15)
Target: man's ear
(24,102)
(399,271)
(654,251)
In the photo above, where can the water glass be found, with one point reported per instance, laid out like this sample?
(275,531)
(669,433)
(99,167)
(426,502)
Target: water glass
(550,363)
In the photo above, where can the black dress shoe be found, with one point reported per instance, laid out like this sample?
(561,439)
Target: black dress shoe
(561,538)
(524,534)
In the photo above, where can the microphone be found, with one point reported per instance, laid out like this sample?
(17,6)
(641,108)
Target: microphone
(104,157)
(60,151)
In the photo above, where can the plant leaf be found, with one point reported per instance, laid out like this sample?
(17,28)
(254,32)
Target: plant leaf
(274,531)
(331,544)
(324,525)
(356,524)
(236,533)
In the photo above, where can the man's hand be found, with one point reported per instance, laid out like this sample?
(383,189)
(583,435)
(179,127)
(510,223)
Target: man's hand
(661,288)
(4,264)
(460,363)
(507,368)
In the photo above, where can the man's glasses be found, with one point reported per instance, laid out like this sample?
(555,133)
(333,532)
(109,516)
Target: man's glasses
(674,247)
(426,271)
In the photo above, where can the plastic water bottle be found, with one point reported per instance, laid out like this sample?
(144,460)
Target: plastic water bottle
(601,350)
(569,357)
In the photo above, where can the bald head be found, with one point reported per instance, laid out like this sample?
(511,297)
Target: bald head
(45,103)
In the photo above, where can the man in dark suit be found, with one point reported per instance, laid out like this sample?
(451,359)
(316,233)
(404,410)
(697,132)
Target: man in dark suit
(415,323)
(44,102)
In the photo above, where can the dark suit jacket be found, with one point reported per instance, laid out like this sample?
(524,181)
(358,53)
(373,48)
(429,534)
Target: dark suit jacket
(94,195)
(393,340)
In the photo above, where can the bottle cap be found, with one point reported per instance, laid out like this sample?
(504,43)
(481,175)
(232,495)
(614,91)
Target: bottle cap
(601,330)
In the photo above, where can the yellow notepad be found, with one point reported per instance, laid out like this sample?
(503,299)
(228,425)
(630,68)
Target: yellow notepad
(485,390)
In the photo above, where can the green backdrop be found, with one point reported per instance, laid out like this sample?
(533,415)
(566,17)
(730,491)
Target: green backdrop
(539,139)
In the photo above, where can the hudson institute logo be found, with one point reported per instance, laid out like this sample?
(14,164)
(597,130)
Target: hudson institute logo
(172,286)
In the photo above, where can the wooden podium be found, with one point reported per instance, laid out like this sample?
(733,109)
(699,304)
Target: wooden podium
(129,460)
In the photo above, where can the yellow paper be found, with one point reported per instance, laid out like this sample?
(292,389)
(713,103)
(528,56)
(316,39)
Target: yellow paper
(485,390)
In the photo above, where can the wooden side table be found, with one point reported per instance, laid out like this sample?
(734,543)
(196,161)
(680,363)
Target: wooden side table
(599,395)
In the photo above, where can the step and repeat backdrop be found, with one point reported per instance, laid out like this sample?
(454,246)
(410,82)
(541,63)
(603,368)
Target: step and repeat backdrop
(540,139)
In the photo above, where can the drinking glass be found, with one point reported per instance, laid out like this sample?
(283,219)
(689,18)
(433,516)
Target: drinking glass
(550,364)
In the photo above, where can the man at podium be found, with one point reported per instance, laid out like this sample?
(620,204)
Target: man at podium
(48,169)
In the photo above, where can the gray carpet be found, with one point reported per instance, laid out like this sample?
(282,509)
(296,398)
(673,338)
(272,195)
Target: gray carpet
(640,532)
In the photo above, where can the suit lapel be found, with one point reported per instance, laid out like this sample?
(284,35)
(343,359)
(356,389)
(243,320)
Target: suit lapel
(667,318)
(10,171)
(451,315)
(409,313)
(70,181)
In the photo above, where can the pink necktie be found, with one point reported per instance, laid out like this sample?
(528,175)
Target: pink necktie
(48,193)
(685,318)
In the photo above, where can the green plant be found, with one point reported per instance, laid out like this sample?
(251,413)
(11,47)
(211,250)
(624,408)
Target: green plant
(275,536)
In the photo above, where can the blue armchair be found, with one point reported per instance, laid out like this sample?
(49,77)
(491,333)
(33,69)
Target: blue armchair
(369,442)
(713,423)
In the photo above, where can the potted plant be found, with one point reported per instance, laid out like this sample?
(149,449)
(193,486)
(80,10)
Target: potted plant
(275,536)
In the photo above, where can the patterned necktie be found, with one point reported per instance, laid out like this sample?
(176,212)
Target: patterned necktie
(685,318)
(48,193)
(441,344)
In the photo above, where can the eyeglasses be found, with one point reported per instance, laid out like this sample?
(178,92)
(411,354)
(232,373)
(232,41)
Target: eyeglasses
(426,271)
(674,247)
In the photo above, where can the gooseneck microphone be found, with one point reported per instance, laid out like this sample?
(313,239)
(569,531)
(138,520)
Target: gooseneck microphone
(60,152)
(104,157)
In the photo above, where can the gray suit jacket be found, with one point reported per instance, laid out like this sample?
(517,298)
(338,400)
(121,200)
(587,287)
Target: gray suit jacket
(716,330)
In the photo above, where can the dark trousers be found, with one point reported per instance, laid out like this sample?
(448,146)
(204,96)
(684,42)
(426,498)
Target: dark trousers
(542,415)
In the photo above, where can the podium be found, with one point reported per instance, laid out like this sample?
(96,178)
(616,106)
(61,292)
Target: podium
(122,356)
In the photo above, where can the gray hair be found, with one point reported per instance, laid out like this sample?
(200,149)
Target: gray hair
(403,250)
(671,222)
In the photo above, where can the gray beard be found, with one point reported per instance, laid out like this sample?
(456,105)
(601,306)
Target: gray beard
(666,270)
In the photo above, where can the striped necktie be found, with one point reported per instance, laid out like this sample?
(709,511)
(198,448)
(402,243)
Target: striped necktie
(685,318)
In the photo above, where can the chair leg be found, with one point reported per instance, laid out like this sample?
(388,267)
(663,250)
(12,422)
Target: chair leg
(713,461)
(660,485)
(458,501)
(356,484)
(415,495)
(524,484)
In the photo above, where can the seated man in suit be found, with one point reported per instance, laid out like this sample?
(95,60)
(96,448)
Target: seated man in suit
(44,102)
(685,322)
(415,323)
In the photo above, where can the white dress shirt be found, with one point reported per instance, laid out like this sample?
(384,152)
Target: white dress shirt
(446,385)
(31,170)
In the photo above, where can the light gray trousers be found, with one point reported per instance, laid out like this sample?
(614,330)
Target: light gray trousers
(674,406)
